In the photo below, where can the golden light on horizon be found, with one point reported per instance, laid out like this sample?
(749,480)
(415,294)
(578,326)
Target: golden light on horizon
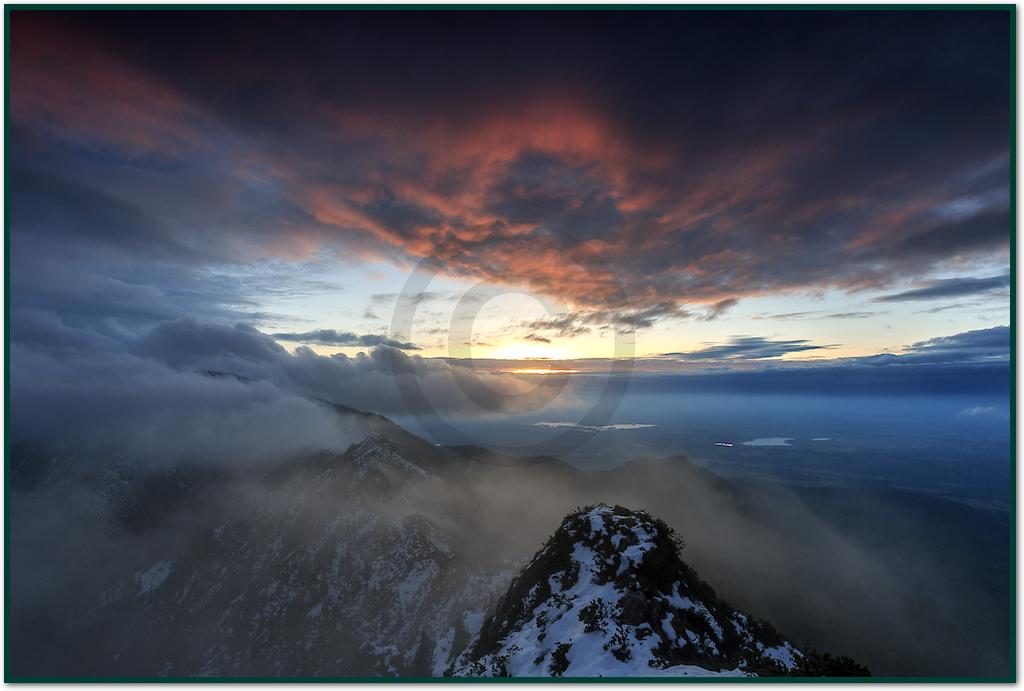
(527,350)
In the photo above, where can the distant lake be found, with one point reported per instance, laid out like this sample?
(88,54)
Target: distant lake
(956,446)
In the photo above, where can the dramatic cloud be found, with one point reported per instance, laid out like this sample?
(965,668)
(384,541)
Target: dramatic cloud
(950,288)
(178,180)
(590,167)
(116,405)
(330,337)
(222,393)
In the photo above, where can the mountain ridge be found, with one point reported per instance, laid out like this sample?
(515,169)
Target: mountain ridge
(608,595)
(445,493)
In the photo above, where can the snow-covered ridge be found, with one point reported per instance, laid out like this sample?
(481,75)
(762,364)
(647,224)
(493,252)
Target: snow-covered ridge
(332,565)
(609,596)
(377,454)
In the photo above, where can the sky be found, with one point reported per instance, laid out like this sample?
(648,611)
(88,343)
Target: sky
(701,227)
(696,189)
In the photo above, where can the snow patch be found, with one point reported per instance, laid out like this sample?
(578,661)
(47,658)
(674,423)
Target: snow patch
(154,577)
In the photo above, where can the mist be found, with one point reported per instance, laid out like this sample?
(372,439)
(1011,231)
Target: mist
(866,580)
(132,451)
(905,584)
(222,393)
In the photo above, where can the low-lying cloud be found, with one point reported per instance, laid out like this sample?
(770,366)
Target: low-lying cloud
(331,337)
(220,392)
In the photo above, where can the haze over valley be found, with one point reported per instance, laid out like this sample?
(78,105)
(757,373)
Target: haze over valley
(520,342)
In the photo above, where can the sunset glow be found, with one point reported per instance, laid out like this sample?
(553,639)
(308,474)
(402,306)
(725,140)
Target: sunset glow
(424,343)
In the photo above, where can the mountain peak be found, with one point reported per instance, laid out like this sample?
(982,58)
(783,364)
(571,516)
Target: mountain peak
(608,595)
(378,454)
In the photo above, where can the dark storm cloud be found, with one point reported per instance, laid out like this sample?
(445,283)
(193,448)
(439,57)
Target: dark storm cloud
(950,287)
(623,161)
(544,191)
(748,348)
(980,346)
(330,337)
(49,205)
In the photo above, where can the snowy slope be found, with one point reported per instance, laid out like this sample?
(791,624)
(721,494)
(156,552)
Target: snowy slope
(334,565)
(363,563)
(609,596)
